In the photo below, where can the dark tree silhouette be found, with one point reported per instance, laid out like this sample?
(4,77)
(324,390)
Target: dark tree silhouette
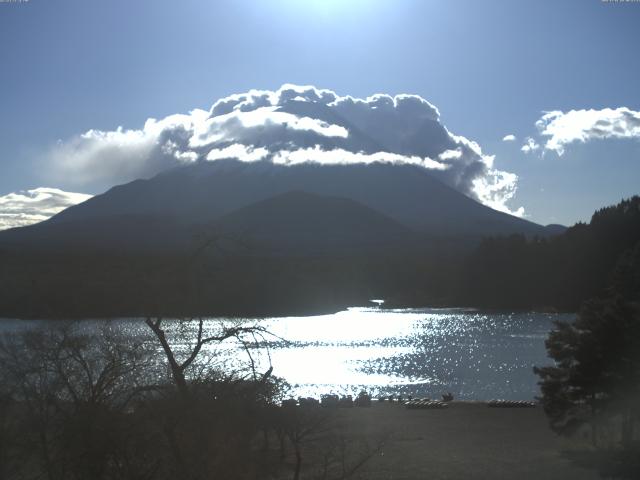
(597,371)
(178,367)
(560,272)
(596,378)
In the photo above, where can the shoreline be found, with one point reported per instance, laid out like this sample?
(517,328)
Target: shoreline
(293,313)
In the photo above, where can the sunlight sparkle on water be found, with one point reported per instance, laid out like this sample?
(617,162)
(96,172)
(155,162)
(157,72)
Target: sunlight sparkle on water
(421,352)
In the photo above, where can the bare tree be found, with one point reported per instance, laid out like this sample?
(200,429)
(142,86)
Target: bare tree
(178,367)
(68,393)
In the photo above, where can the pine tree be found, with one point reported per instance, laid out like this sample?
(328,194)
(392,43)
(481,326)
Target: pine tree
(596,376)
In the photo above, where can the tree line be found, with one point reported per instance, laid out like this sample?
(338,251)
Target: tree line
(557,273)
(593,387)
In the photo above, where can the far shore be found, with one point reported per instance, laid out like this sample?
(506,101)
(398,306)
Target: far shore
(312,312)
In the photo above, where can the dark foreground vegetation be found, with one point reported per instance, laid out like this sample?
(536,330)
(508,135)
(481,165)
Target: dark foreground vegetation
(594,387)
(97,405)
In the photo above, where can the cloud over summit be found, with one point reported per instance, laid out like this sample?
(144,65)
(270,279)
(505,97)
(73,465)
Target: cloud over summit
(292,125)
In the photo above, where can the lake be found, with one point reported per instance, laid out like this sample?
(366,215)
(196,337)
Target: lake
(419,352)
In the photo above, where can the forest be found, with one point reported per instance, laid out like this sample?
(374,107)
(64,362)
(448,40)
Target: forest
(556,273)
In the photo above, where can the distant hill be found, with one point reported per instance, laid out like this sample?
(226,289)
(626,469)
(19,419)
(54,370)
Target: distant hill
(554,229)
(305,223)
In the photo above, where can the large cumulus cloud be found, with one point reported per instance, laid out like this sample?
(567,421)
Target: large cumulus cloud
(291,125)
(32,206)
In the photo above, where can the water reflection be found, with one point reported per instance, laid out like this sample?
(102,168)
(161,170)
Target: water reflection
(413,352)
(420,352)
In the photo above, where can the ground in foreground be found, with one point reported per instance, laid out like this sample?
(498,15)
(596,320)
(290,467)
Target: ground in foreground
(465,441)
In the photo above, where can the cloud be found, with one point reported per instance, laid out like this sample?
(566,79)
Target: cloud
(562,128)
(291,125)
(339,156)
(238,151)
(31,206)
(500,188)
(530,145)
(509,138)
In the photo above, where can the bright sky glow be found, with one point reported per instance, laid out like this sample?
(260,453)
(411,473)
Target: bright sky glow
(326,8)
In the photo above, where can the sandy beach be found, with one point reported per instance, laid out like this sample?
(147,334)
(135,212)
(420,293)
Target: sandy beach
(467,440)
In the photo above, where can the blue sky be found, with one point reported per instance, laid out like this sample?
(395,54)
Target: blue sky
(491,68)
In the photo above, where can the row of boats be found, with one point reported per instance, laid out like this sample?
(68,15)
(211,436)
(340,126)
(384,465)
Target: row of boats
(364,400)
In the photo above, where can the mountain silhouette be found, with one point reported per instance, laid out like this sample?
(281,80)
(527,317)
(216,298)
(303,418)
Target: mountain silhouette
(304,238)
(204,193)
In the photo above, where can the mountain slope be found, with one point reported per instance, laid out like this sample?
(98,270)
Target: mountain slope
(122,233)
(204,192)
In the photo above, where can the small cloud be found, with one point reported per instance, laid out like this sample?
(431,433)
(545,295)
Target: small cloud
(509,138)
(32,206)
(564,128)
(530,145)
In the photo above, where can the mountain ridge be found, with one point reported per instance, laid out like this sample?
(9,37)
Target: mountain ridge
(202,192)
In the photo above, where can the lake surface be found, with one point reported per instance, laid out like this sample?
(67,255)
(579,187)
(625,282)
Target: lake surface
(419,352)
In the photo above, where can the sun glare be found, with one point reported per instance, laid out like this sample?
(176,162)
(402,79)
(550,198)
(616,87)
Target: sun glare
(328,8)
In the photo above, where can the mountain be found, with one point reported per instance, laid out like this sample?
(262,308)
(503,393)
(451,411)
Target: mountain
(204,192)
(305,238)
(292,223)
